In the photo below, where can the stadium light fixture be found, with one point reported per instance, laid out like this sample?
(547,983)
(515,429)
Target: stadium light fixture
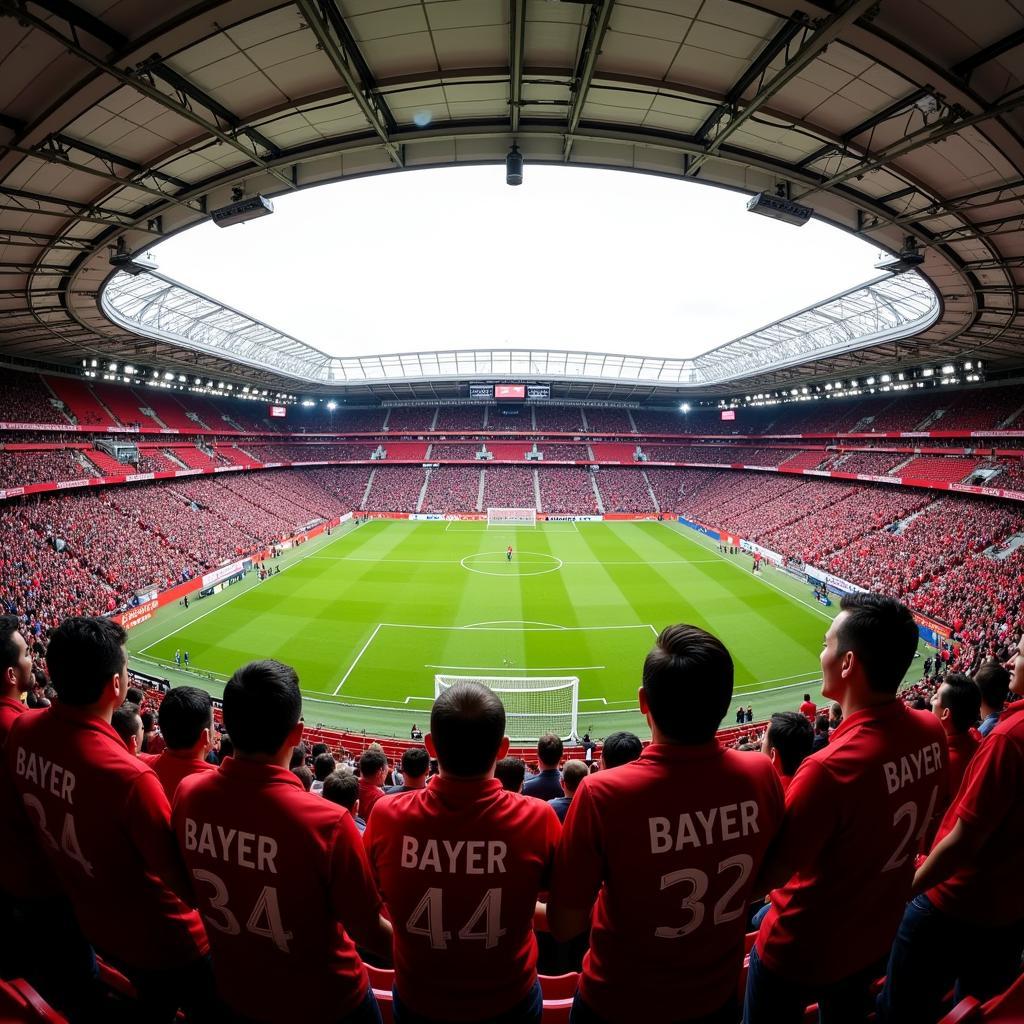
(514,166)
(241,209)
(331,406)
(927,372)
(780,207)
(948,369)
(685,407)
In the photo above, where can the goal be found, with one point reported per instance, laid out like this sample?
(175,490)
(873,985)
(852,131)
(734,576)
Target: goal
(511,517)
(532,706)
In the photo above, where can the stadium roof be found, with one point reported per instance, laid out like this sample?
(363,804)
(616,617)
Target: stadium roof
(132,120)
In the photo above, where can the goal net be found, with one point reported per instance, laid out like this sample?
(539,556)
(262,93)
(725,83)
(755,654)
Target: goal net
(511,517)
(532,706)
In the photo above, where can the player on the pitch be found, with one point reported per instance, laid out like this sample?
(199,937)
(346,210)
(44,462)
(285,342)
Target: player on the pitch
(508,553)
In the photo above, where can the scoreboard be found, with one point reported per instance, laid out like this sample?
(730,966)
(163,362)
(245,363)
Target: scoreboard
(510,392)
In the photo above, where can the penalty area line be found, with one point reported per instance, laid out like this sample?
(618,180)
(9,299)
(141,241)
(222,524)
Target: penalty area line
(357,657)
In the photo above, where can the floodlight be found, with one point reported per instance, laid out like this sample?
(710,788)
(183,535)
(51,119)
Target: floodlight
(949,368)
(332,406)
(241,210)
(122,259)
(778,207)
(514,166)
(685,407)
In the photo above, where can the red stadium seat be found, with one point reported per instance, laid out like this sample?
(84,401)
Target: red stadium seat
(556,1011)
(967,1010)
(559,986)
(1007,1008)
(20,1003)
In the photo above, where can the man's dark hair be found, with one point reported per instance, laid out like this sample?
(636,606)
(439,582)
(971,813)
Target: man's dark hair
(792,735)
(993,682)
(304,775)
(549,750)
(371,762)
(688,681)
(882,633)
(963,698)
(323,765)
(467,724)
(126,721)
(134,696)
(318,749)
(262,705)
(9,625)
(821,724)
(415,762)
(807,696)
(83,655)
(510,772)
(298,756)
(341,787)
(621,748)
(184,713)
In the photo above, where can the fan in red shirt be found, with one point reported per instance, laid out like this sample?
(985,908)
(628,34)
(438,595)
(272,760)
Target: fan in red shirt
(668,846)
(957,705)
(788,739)
(279,873)
(809,709)
(460,865)
(186,724)
(857,812)
(967,924)
(102,818)
(373,769)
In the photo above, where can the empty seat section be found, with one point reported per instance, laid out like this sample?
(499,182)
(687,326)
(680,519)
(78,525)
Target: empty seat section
(938,470)
(802,460)
(80,402)
(408,451)
(124,404)
(170,411)
(508,452)
(605,451)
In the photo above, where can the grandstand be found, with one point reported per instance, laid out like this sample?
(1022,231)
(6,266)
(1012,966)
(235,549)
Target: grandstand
(228,492)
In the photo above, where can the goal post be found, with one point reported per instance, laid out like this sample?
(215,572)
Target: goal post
(511,517)
(533,706)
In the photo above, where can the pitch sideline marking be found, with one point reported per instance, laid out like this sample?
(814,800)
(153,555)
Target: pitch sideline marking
(506,669)
(247,590)
(522,622)
(357,657)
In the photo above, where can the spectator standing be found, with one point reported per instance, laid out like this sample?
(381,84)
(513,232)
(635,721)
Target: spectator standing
(967,924)
(106,826)
(373,768)
(620,748)
(957,705)
(341,787)
(856,813)
(635,834)
(749,714)
(788,739)
(547,783)
(415,765)
(510,772)
(280,874)
(323,765)
(16,678)
(460,865)
(127,723)
(573,774)
(992,681)
(186,724)
(809,709)
(821,733)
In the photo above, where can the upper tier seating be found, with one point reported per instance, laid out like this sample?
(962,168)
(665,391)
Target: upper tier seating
(460,417)
(508,487)
(124,404)
(553,452)
(415,419)
(25,399)
(611,451)
(408,451)
(511,452)
(554,418)
(80,402)
(18,468)
(608,421)
(564,490)
(452,489)
(171,411)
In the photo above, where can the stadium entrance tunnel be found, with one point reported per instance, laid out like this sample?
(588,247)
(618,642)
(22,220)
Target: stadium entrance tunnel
(522,563)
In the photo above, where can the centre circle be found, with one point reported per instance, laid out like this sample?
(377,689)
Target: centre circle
(523,563)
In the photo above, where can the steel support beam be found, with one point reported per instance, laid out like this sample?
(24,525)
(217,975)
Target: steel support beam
(112,159)
(826,33)
(327,24)
(86,212)
(989,53)
(138,82)
(586,63)
(516,39)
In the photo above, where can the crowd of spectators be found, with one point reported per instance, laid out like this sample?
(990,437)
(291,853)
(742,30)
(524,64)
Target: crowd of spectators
(452,489)
(555,452)
(509,487)
(565,490)
(608,421)
(395,489)
(624,490)
(411,419)
(460,417)
(556,418)
(25,399)
(21,467)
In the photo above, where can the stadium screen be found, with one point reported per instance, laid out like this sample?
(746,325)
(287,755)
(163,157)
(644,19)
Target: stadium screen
(510,392)
(728,414)
(278,412)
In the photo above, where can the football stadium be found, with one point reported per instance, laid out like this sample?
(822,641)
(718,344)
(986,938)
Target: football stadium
(586,434)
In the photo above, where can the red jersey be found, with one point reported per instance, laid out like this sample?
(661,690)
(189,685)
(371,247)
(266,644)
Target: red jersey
(278,874)
(172,766)
(669,846)
(103,819)
(961,749)
(369,794)
(10,709)
(857,812)
(460,865)
(985,891)
(809,710)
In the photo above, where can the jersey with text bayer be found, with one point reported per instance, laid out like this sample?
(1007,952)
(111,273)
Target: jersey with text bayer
(857,813)
(104,821)
(676,838)
(460,865)
(281,879)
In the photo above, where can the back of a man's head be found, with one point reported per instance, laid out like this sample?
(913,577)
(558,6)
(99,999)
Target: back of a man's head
(993,682)
(510,772)
(304,775)
(184,713)
(127,722)
(882,634)
(821,724)
(573,773)
(415,763)
(959,695)
(688,679)
(371,763)
(791,736)
(341,787)
(620,748)
(467,725)
(323,765)
(262,705)
(134,696)
(83,654)
(318,749)
(549,750)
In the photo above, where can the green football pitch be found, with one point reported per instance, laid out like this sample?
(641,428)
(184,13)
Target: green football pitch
(369,615)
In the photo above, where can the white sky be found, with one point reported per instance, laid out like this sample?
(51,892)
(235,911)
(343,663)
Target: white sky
(572,259)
